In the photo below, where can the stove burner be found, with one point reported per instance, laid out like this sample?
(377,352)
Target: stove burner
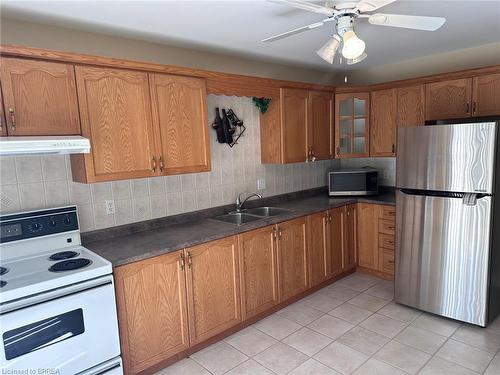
(2,283)
(3,271)
(63,255)
(68,265)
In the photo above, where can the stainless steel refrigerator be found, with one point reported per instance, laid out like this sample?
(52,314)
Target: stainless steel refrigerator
(447,220)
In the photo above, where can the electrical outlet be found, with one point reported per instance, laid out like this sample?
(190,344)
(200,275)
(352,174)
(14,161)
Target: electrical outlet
(110,207)
(261,184)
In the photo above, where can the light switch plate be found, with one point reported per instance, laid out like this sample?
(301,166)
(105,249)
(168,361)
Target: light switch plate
(110,207)
(261,184)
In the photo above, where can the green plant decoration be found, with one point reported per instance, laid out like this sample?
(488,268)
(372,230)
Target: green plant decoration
(262,103)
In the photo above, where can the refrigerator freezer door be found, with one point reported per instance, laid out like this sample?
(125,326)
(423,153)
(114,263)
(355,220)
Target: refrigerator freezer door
(442,255)
(447,157)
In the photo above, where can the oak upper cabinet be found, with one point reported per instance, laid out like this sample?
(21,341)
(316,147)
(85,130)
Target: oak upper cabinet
(410,106)
(259,283)
(318,243)
(152,311)
(320,129)
(213,288)
(180,119)
(350,236)
(486,95)
(368,256)
(292,258)
(383,122)
(338,243)
(40,97)
(115,110)
(3,125)
(448,99)
(352,128)
(294,118)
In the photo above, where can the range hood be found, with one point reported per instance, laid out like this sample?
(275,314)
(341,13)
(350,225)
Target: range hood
(11,146)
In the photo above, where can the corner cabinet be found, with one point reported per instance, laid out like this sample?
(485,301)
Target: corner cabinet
(297,127)
(138,129)
(39,97)
(152,310)
(352,125)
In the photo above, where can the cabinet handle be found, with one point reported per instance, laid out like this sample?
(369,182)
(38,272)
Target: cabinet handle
(391,227)
(390,262)
(393,148)
(313,158)
(468,107)
(275,233)
(190,260)
(474,105)
(12,119)
(182,262)
(280,233)
(161,163)
(338,151)
(154,165)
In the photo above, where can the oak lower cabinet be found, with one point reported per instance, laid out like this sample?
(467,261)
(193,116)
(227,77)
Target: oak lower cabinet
(350,234)
(319,239)
(213,288)
(39,97)
(259,276)
(152,310)
(292,258)
(376,238)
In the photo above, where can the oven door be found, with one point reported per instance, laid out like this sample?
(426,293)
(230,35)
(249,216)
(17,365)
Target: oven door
(63,335)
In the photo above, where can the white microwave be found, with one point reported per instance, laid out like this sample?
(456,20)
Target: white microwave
(363,181)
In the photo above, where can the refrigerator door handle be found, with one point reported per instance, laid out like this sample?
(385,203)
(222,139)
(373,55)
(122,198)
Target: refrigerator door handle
(468,198)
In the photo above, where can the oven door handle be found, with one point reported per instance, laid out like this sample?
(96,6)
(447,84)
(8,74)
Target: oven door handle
(21,303)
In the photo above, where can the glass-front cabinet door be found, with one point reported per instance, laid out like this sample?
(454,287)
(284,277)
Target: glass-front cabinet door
(352,114)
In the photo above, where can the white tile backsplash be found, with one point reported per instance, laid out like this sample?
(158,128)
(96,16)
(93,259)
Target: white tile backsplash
(36,182)
(387,167)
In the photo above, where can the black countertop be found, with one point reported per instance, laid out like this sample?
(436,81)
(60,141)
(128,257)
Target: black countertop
(132,243)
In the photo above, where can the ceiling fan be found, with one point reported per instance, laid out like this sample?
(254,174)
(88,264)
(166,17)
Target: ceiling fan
(343,13)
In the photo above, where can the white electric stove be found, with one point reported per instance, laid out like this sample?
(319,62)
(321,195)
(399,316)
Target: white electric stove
(57,300)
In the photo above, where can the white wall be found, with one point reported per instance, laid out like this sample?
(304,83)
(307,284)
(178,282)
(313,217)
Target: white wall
(45,181)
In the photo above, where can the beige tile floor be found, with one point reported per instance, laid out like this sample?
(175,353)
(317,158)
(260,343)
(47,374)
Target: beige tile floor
(350,327)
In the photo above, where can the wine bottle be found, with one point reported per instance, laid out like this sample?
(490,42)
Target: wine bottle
(227,128)
(219,129)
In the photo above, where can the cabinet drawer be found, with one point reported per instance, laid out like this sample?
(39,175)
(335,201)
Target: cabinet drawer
(386,241)
(386,261)
(388,213)
(386,226)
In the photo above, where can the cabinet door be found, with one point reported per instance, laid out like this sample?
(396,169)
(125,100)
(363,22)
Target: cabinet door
(39,97)
(486,95)
(383,123)
(318,241)
(259,283)
(152,313)
(448,99)
(352,128)
(320,130)
(337,241)
(350,235)
(180,118)
(292,258)
(213,285)
(368,235)
(115,109)
(294,116)
(3,125)
(410,106)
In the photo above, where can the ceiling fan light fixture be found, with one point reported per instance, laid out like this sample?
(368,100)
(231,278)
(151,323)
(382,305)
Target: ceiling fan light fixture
(353,46)
(329,49)
(357,59)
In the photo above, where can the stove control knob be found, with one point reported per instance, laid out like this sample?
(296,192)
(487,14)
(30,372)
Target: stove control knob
(52,222)
(35,227)
(67,220)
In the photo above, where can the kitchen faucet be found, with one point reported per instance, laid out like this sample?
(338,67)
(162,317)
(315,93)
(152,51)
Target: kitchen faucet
(239,203)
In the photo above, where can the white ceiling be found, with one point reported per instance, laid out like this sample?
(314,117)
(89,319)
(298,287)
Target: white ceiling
(236,27)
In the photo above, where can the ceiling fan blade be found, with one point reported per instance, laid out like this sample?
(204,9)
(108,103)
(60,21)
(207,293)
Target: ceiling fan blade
(296,31)
(304,5)
(407,22)
(371,5)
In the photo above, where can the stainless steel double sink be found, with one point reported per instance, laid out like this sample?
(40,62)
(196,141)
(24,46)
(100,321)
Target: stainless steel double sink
(251,214)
